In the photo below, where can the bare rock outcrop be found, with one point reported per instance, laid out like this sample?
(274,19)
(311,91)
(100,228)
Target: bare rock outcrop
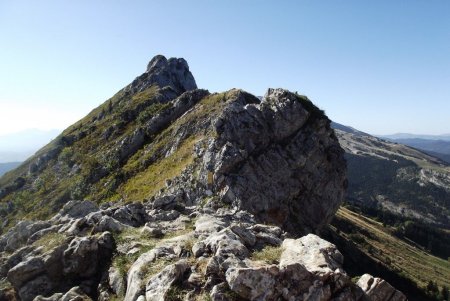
(80,262)
(172,74)
(158,286)
(279,159)
(378,289)
(244,179)
(317,255)
(305,272)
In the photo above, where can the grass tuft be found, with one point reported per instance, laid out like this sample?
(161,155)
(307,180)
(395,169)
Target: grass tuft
(50,241)
(269,254)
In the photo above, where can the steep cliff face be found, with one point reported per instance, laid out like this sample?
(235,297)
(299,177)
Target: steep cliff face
(277,159)
(193,196)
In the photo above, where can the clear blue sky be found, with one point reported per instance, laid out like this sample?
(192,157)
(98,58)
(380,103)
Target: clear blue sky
(380,66)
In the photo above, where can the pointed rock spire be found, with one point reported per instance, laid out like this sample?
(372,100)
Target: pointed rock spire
(170,73)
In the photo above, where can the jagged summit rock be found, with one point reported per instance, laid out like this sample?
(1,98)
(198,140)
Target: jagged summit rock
(170,73)
(168,192)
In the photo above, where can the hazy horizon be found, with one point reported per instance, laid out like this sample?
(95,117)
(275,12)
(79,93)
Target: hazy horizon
(380,67)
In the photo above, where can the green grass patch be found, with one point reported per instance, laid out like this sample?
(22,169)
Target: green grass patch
(149,182)
(204,296)
(398,255)
(123,262)
(50,241)
(4,284)
(152,110)
(145,95)
(176,293)
(315,112)
(269,254)
(155,267)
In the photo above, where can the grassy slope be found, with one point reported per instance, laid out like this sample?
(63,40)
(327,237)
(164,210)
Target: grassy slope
(100,177)
(400,262)
(47,190)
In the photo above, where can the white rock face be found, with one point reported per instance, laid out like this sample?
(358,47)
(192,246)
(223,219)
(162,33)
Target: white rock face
(75,293)
(116,281)
(158,286)
(19,234)
(378,289)
(316,254)
(253,283)
(74,210)
(208,224)
(135,281)
(224,243)
(310,268)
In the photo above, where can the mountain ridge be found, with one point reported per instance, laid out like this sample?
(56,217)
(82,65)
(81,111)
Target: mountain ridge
(382,172)
(192,196)
(445,137)
(437,148)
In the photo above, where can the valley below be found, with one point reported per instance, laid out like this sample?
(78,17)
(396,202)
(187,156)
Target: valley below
(396,216)
(368,244)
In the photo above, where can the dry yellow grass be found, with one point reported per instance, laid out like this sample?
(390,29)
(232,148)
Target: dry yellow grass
(50,241)
(410,261)
(151,180)
(268,254)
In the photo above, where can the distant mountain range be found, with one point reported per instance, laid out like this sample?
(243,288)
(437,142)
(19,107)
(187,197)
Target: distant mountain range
(5,167)
(438,146)
(21,145)
(347,129)
(403,180)
(445,137)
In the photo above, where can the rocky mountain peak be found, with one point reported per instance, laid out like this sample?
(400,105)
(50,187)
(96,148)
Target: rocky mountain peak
(277,93)
(171,74)
(157,62)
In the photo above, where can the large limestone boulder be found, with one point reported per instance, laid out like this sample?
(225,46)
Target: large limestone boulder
(278,159)
(222,243)
(132,214)
(136,276)
(253,283)
(18,235)
(26,271)
(81,257)
(310,268)
(314,253)
(80,262)
(75,210)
